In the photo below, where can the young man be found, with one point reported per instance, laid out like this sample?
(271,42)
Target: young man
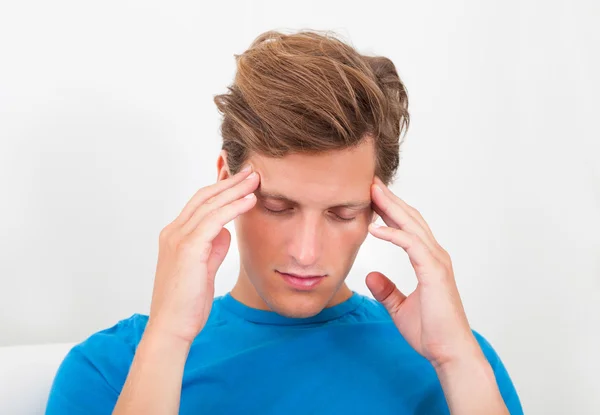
(311,138)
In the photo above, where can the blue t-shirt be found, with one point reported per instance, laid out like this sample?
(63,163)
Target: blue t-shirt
(348,359)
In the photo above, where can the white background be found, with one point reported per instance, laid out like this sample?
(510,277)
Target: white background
(107,127)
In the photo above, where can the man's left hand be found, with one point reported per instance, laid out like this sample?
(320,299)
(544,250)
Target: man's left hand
(432,318)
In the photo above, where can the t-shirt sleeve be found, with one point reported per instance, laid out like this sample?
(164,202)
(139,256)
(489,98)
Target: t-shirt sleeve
(505,384)
(91,376)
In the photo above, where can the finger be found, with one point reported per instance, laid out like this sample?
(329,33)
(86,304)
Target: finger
(421,257)
(211,224)
(396,217)
(388,221)
(435,248)
(205,193)
(219,200)
(220,246)
(385,291)
(411,210)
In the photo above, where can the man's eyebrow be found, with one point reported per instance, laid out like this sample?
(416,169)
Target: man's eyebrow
(260,193)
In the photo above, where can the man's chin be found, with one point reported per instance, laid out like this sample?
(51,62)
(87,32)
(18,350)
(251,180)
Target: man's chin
(293,305)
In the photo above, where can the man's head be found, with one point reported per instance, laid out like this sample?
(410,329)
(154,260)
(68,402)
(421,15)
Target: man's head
(317,121)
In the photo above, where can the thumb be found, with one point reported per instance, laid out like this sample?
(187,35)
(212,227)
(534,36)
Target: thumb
(385,291)
(220,246)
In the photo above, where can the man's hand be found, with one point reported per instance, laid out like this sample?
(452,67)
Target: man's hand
(432,318)
(191,249)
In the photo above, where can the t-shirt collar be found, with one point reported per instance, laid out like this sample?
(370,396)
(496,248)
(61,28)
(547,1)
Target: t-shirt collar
(270,317)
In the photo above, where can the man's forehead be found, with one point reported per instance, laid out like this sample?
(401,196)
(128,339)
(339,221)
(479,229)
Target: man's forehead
(331,179)
(295,198)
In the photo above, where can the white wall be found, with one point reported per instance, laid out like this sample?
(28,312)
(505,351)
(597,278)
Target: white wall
(107,127)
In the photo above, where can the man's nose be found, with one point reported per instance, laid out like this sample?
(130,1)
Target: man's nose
(306,242)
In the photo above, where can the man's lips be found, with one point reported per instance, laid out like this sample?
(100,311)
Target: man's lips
(302,282)
(291,274)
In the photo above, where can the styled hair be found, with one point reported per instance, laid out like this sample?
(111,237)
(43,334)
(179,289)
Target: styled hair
(310,92)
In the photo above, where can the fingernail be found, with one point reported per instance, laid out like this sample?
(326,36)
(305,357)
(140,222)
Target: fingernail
(252,176)
(375,225)
(246,169)
(378,189)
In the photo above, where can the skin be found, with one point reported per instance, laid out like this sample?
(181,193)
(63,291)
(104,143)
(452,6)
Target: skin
(307,238)
(432,318)
(308,235)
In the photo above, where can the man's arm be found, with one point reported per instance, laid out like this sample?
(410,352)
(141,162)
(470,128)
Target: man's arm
(432,318)
(191,250)
(470,387)
(153,385)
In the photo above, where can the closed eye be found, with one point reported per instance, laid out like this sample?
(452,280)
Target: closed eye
(338,217)
(283,211)
(276,211)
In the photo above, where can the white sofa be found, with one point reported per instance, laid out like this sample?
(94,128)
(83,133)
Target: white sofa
(26,374)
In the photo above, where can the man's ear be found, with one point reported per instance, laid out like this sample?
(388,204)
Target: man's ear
(222,167)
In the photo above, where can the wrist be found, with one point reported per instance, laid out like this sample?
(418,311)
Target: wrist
(467,355)
(163,339)
(468,363)
(470,387)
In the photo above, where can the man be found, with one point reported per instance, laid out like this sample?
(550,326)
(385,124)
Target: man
(311,136)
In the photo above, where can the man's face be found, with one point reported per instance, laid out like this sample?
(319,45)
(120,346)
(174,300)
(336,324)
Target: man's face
(310,218)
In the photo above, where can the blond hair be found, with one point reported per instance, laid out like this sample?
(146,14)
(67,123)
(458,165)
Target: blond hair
(311,92)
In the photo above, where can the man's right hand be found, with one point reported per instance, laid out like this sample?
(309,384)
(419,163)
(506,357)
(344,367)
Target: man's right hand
(191,249)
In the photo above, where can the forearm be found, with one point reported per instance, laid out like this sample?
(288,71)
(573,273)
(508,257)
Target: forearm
(153,385)
(470,387)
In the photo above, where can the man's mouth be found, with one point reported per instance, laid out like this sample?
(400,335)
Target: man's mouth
(302,282)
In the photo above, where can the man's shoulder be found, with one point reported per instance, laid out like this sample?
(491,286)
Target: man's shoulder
(124,334)
(93,372)
(488,350)
(111,347)
(370,310)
